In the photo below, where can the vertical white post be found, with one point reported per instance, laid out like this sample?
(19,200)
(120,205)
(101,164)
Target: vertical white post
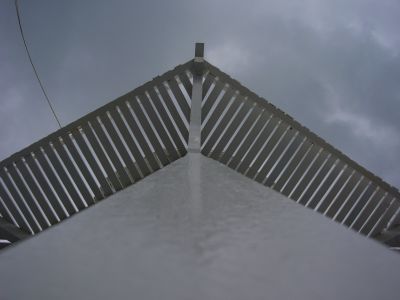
(195,114)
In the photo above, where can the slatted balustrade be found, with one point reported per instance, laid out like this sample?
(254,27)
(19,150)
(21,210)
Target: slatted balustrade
(251,136)
(99,154)
(148,128)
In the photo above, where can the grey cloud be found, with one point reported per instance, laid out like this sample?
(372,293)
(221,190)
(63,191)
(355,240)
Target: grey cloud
(334,66)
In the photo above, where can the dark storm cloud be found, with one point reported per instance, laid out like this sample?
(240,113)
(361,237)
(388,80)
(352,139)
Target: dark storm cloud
(334,66)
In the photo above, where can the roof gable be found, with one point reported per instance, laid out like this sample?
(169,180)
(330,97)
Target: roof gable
(199,107)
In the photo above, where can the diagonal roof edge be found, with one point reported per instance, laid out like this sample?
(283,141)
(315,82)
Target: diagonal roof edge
(339,187)
(102,152)
(317,139)
(156,80)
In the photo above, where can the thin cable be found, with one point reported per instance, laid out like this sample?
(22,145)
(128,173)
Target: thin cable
(33,66)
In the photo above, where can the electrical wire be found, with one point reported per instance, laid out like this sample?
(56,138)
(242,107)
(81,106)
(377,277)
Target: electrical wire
(33,66)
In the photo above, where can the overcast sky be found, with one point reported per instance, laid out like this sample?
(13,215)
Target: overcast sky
(334,66)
